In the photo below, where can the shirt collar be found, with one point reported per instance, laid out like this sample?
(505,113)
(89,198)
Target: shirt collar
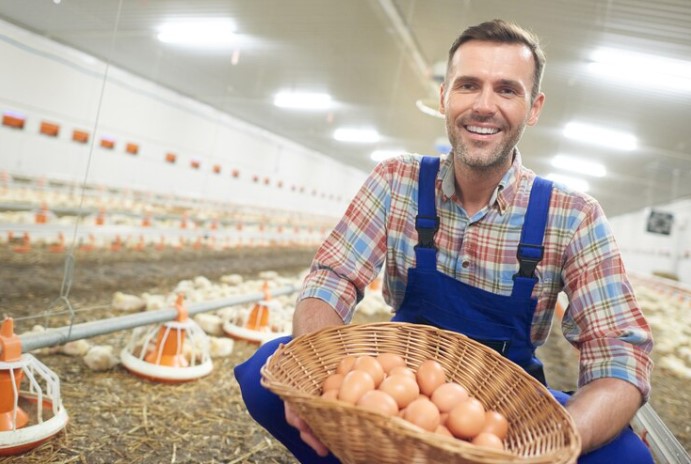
(502,196)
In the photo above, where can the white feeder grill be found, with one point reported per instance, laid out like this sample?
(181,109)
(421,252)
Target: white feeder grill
(144,342)
(39,428)
(251,335)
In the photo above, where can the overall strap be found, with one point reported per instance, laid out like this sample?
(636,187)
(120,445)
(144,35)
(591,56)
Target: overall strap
(530,249)
(427,221)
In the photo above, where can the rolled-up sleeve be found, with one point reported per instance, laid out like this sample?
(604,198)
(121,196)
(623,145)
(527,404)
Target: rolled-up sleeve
(353,253)
(603,320)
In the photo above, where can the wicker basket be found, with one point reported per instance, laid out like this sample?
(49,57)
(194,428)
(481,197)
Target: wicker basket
(540,430)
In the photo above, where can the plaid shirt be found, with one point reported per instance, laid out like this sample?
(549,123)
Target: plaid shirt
(603,320)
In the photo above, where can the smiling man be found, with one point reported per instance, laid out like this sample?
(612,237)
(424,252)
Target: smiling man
(477,243)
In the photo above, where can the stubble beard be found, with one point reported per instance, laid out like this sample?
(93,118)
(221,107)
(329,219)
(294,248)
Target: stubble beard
(473,156)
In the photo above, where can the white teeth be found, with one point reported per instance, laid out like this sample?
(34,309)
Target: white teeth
(482,130)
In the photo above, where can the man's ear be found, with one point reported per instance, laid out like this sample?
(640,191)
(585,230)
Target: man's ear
(536,109)
(442,106)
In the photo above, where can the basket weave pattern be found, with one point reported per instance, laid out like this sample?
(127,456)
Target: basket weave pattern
(540,430)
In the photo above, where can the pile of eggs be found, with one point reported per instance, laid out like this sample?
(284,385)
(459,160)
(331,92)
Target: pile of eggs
(423,397)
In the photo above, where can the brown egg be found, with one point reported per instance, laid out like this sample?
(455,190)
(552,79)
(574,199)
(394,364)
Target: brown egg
(332,382)
(354,385)
(489,440)
(496,423)
(390,360)
(443,416)
(401,388)
(370,365)
(378,401)
(345,365)
(442,430)
(466,419)
(403,370)
(423,413)
(448,395)
(429,376)
(330,395)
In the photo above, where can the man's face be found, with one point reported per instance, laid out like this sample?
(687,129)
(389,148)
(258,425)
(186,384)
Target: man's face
(486,102)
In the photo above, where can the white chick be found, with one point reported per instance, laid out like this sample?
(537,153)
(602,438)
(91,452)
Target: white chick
(101,358)
(125,302)
(268,275)
(153,301)
(677,366)
(76,348)
(202,283)
(209,323)
(232,279)
(221,347)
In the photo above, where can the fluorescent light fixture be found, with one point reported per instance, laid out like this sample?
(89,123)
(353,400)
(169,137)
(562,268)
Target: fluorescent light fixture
(303,100)
(600,136)
(381,155)
(641,69)
(211,33)
(345,134)
(574,183)
(579,165)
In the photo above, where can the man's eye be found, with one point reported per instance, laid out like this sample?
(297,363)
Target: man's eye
(507,91)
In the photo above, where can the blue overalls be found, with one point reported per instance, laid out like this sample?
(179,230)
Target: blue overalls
(501,322)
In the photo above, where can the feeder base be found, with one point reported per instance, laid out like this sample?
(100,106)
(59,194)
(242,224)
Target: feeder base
(166,374)
(249,335)
(19,441)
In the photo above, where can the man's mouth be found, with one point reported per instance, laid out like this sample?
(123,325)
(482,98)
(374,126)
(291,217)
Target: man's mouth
(482,130)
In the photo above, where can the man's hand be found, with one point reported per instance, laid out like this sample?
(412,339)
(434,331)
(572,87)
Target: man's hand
(311,314)
(305,432)
(601,409)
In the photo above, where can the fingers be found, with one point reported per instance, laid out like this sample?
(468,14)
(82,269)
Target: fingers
(305,431)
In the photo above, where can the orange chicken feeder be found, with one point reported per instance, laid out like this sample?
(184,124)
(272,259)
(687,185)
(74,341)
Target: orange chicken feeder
(257,328)
(27,418)
(172,352)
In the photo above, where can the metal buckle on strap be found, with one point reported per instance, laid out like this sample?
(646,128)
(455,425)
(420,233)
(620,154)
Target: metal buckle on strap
(527,265)
(426,234)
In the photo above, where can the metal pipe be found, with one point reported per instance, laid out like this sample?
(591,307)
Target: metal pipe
(406,37)
(61,335)
(662,443)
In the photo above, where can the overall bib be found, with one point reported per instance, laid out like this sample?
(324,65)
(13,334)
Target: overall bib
(433,298)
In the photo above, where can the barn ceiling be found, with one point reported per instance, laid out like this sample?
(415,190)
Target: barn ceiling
(377,59)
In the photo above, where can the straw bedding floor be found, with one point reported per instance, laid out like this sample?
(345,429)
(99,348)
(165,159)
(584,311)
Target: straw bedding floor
(118,418)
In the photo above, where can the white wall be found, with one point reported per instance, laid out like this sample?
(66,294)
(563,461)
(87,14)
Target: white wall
(46,81)
(645,252)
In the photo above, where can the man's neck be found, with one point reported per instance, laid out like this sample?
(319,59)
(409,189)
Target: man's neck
(474,188)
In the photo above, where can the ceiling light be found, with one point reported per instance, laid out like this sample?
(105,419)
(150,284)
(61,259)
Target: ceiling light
(641,69)
(381,155)
(579,165)
(600,136)
(574,183)
(303,100)
(198,33)
(356,135)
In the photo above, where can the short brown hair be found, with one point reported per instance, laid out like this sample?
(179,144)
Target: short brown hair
(502,31)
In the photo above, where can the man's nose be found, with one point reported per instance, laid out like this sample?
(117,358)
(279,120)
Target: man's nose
(485,102)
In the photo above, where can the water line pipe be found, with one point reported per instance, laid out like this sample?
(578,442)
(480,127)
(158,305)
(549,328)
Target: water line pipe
(62,335)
